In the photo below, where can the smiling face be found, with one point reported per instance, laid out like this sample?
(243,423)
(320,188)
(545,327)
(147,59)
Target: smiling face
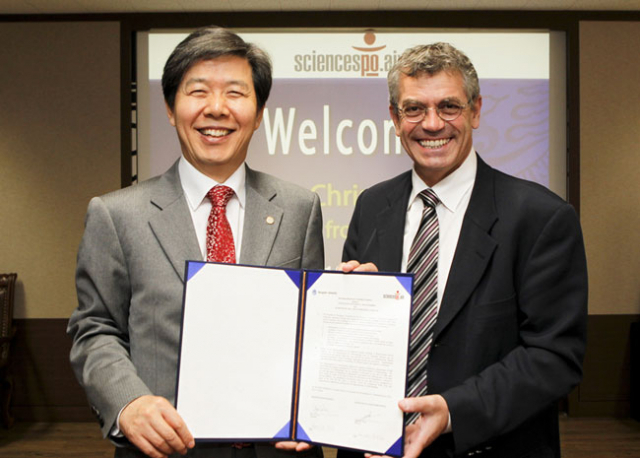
(437,147)
(215,114)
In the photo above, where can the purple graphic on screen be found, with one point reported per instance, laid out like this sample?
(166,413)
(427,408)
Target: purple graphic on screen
(514,127)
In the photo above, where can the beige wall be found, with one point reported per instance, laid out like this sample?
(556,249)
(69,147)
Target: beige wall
(610,163)
(59,145)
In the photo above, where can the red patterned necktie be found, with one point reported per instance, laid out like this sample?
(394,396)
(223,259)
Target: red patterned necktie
(220,247)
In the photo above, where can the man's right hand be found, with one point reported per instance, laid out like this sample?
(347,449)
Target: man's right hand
(153,425)
(355,266)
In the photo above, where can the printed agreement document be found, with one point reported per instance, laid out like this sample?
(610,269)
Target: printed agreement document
(271,354)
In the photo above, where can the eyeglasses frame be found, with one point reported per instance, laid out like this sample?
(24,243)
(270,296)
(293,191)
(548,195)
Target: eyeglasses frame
(426,109)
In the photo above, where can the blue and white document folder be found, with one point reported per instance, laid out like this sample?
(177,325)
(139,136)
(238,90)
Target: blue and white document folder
(270,354)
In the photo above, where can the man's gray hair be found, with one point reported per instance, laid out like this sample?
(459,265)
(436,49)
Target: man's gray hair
(432,59)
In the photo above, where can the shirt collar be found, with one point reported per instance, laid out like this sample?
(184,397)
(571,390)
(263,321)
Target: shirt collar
(196,185)
(451,189)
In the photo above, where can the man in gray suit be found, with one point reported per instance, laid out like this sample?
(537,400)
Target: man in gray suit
(131,260)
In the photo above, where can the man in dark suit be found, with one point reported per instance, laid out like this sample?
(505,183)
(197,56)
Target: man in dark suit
(510,282)
(131,261)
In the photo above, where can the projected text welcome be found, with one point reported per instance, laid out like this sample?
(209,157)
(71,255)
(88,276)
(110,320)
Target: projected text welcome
(313,139)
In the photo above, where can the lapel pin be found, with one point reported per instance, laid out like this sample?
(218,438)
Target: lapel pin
(270,220)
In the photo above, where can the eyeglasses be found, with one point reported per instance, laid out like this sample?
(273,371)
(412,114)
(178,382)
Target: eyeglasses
(447,111)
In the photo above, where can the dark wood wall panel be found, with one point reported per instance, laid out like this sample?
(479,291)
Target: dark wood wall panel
(606,386)
(46,389)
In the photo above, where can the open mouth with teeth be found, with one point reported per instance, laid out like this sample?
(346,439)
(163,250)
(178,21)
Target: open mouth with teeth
(216,133)
(434,143)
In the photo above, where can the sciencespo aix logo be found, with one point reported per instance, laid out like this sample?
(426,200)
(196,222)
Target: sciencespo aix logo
(364,60)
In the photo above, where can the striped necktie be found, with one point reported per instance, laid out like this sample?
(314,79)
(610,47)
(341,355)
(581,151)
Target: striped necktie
(423,263)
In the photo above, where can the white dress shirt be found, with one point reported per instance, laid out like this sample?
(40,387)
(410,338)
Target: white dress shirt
(196,185)
(454,192)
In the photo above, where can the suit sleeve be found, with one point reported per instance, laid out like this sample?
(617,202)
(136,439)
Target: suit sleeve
(350,250)
(313,254)
(551,301)
(99,326)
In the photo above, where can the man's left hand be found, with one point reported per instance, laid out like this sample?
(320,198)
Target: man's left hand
(433,421)
(293,446)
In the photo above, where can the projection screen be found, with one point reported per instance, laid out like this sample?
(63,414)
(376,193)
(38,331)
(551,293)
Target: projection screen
(327,127)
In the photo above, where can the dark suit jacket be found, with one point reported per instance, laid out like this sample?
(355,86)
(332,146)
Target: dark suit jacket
(510,335)
(126,329)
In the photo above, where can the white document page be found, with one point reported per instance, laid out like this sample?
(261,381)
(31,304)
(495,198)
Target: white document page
(238,351)
(354,361)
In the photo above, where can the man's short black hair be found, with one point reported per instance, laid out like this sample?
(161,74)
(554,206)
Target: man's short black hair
(210,43)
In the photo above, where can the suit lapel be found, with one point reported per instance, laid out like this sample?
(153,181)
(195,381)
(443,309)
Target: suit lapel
(474,250)
(262,220)
(172,224)
(390,222)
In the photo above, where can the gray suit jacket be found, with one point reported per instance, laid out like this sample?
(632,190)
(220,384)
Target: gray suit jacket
(129,281)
